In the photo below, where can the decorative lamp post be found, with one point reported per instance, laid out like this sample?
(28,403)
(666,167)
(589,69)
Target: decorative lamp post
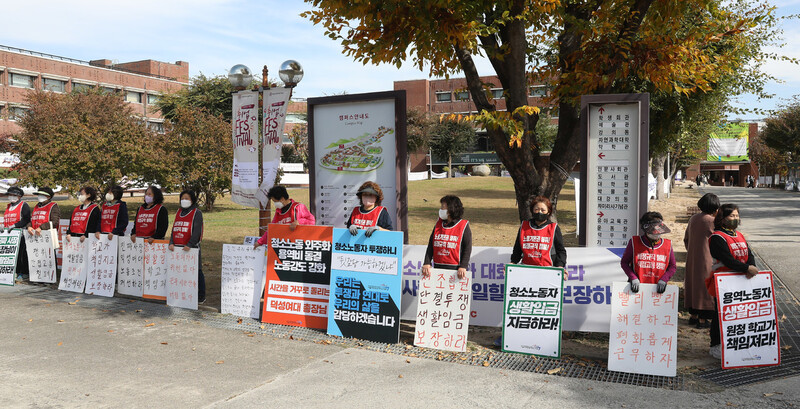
(240,76)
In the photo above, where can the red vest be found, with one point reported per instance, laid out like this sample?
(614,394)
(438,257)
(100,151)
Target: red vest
(80,219)
(536,243)
(285,218)
(737,245)
(650,263)
(447,243)
(41,215)
(364,220)
(108,218)
(182,228)
(146,220)
(13,214)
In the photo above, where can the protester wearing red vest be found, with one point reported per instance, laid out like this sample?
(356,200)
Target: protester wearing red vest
(370,216)
(450,244)
(114,215)
(539,241)
(730,253)
(287,211)
(85,218)
(648,258)
(17,216)
(151,219)
(187,232)
(45,214)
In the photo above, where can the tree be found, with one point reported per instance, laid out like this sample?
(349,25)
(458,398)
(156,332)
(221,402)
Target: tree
(782,132)
(449,137)
(299,137)
(213,94)
(770,160)
(576,47)
(82,138)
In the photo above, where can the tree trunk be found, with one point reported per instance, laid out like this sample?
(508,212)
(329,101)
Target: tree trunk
(449,166)
(658,172)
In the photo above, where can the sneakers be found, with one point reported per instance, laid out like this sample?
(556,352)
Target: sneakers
(201,301)
(716,351)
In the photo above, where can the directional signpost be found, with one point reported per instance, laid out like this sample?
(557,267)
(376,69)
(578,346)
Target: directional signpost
(613,167)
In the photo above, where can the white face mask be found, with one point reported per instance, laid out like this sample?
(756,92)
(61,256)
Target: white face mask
(42,198)
(82,198)
(148,199)
(186,203)
(13,199)
(443,214)
(653,237)
(278,205)
(109,197)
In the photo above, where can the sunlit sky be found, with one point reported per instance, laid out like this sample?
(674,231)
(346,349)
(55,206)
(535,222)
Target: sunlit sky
(213,35)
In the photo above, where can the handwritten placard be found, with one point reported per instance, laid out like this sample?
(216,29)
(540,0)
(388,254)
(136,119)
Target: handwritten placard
(644,330)
(443,311)
(242,280)
(130,266)
(532,310)
(182,277)
(74,265)
(41,255)
(101,270)
(154,277)
(9,248)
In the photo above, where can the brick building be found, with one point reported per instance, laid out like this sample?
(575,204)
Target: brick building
(139,82)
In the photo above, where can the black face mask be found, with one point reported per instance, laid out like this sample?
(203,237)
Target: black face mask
(730,224)
(540,217)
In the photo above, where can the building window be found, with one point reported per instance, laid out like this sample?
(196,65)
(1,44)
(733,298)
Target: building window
(22,80)
(537,91)
(133,96)
(497,93)
(152,99)
(462,95)
(16,113)
(54,85)
(155,126)
(80,87)
(444,96)
(2,112)
(110,90)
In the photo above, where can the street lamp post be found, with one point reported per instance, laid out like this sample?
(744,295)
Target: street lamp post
(240,77)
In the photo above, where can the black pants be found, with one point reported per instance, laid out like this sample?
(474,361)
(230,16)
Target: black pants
(22,258)
(201,285)
(716,338)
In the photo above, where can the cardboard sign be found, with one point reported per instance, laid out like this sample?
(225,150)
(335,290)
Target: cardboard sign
(365,285)
(9,248)
(74,264)
(298,276)
(130,266)
(644,330)
(41,255)
(748,320)
(154,278)
(101,267)
(243,279)
(532,310)
(443,311)
(182,277)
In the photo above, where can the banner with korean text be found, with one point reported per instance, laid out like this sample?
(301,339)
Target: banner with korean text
(748,320)
(41,255)
(244,183)
(74,264)
(644,330)
(101,265)
(130,266)
(276,102)
(532,310)
(366,285)
(154,276)
(243,280)
(9,248)
(443,311)
(182,276)
(298,276)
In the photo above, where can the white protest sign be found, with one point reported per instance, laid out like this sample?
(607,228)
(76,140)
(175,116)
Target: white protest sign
(182,277)
(243,274)
(101,265)
(73,265)
(130,267)
(9,249)
(443,311)
(644,330)
(748,320)
(154,278)
(42,256)
(532,310)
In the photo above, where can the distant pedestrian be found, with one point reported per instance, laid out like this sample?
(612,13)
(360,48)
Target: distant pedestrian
(450,244)
(649,259)
(698,262)
(730,183)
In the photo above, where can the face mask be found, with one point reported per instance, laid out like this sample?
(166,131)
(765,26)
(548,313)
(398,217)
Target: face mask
(278,205)
(42,198)
(109,197)
(368,202)
(539,217)
(82,198)
(148,199)
(13,199)
(443,214)
(730,223)
(653,237)
(186,203)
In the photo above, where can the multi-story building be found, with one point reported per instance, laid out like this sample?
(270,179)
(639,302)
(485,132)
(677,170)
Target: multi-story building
(140,82)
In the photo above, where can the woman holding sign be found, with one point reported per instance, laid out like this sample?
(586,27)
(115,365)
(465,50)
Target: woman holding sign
(46,214)
(649,259)
(370,215)
(539,241)
(187,231)
(730,252)
(450,244)
(114,216)
(151,218)
(85,218)
(287,211)
(17,216)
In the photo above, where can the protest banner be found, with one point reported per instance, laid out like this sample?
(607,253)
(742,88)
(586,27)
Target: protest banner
(9,248)
(748,320)
(298,276)
(443,311)
(63,225)
(41,255)
(365,285)
(130,267)
(242,280)
(74,264)
(101,265)
(532,310)
(244,181)
(154,277)
(276,102)
(587,289)
(644,330)
(182,276)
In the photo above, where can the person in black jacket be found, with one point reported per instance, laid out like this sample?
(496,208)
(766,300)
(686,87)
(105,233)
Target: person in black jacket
(17,216)
(450,244)
(85,218)
(151,219)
